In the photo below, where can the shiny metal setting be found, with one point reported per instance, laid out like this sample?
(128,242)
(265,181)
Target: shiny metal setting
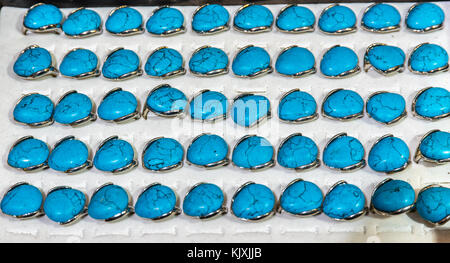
(54,28)
(127,212)
(172,113)
(172,32)
(389,29)
(213,120)
(86,120)
(399,118)
(345,74)
(355,116)
(35,124)
(35,168)
(297,30)
(212,31)
(171,74)
(364,211)
(174,212)
(443,220)
(215,214)
(127,118)
(262,72)
(261,167)
(434,71)
(351,168)
(373,210)
(210,166)
(164,169)
(88,33)
(130,32)
(392,71)
(94,73)
(261,119)
(126,168)
(299,74)
(138,72)
(312,212)
(87,165)
(344,31)
(50,71)
(419,156)
(415,114)
(254,30)
(212,73)
(397,169)
(306,167)
(259,218)
(305,119)
(76,217)
(37,213)
(426,30)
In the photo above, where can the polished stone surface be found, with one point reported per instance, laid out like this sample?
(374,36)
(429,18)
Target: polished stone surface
(32,61)
(433,102)
(343,104)
(336,18)
(425,15)
(78,62)
(338,61)
(63,205)
(381,16)
(295,17)
(342,152)
(297,151)
(433,204)
(252,17)
(208,105)
(203,200)
(389,154)
(68,154)
(384,57)
(296,105)
(164,20)
(252,152)
(248,110)
(33,108)
(113,155)
(81,21)
(109,201)
(163,153)
(253,201)
(72,108)
(207,60)
(120,63)
(344,201)
(22,200)
(42,16)
(163,61)
(295,60)
(386,107)
(117,104)
(123,19)
(207,150)
(155,202)
(428,57)
(209,18)
(392,196)
(301,197)
(28,153)
(436,146)
(250,61)
(165,100)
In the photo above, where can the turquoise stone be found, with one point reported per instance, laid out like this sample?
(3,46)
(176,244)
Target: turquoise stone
(166,101)
(433,103)
(33,109)
(295,18)
(117,104)
(425,16)
(78,62)
(165,20)
(253,152)
(297,105)
(68,154)
(108,202)
(344,201)
(385,58)
(389,155)
(113,155)
(381,17)
(208,106)
(207,150)
(297,151)
(28,154)
(433,204)
(164,62)
(253,201)
(210,18)
(251,61)
(208,61)
(338,62)
(124,19)
(120,63)
(249,109)
(392,196)
(253,17)
(343,152)
(63,205)
(42,16)
(386,107)
(22,200)
(33,60)
(343,104)
(337,18)
(436,146)
(295,61)
(203,200)
(156,202)
(428,58)
(301,197)
(163,153)
(81,22)
(72,108)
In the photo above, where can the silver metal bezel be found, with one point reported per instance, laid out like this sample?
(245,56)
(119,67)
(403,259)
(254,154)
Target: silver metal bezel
(443,220)
(351,217)
(174,212)
(138,72)
(171,32)
(301,73)
(312,212)
(178,72)
(35,124)
(35,168)
(297,30)
(415,114)
(211,120)
(129,32)
(343,31)
(355,116)
(367,65)
(126,168)
(261,119)
(419,156)
(168,114)
(385,213)
(129,210)
(389,29)
(86,120)
(164,169)
(260,73)
(254,30)
(86,166)
(434,71)
(425,30)
(37,213)
(223,162)
(213,73)
(361,164)
(260,217)
(78,216)
(396,170)
(215,214)
(345,74)
(90,74)
(127,118)
(305,119)
(306,167)
(260,167)
(53,28)
(212,31)
(88,33)
(400,117)
(50,71)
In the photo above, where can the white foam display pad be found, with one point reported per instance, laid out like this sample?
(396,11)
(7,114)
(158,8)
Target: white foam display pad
(281,227)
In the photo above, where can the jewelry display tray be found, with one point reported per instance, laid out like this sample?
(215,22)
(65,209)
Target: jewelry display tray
(279,228)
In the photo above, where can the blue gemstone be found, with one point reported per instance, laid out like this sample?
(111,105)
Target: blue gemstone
(210,18)
(123,20)
(203,200)
(156,202)
(295,61)
(64,204)
(252,18)
(81,22)
(297,151)
(163,154)
(78,62)
(428,58)
(381,17)
(301,197)
(113,155)
(166,101)
(343,152)
(22,200)
(433,103)
(253,201)
(344,201)
(386,107)
(43,15)
(164,62)
(117,104)
(433,204)
(436,146)
(165,20)
(392,196)
(249,109)
(209,61)
(32,60)
(337,18)
(295,19)
(338,62)
(424,17)
(72,108)
(385,58)
(120,63)
(68,154)
(389,155)
(253,152)
(251,61)
(297,105)
(209,105)
(28,153)
(343,104)
(108,202)
(207,150)
(33,109)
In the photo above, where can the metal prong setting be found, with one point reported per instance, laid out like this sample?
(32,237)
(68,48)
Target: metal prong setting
(306,167)
(54,28)
(351,217)
(260,167)
(213,30)
(399,169)
(81,122)
(399,118)
(126,168)
(164,169)
(312,212)
(90,74)
(37,213)
(85,166)
(355,116)
(367,65)
(88,33)
(305,119)
(174,212)
(262,118)
(215,214)
(136,115)
(50,71)
(122,215)
(171,32)
(35,168)
(252,30)
(76,217)
(343,31)
(415,114)
(212,73)
(419,156)
(297,30)
(138,72)
(351,168)
(384,213)
(425,30)
(129,32)
(298,74)
(224,162)
(434,71)
(258,218)
(389,29)
(262,72)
